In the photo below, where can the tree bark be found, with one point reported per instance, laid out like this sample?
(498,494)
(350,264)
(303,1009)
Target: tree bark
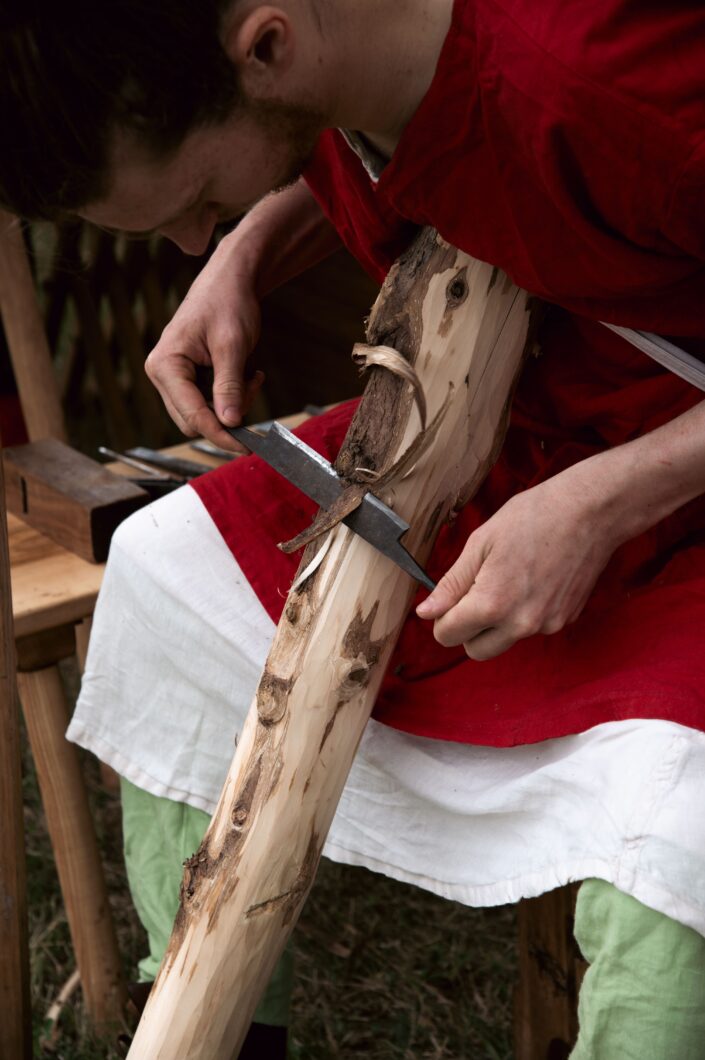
(464,326)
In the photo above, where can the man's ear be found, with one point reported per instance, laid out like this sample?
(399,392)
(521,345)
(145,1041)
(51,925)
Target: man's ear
(261,47)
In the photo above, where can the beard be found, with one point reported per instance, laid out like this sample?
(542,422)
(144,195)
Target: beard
(293,129)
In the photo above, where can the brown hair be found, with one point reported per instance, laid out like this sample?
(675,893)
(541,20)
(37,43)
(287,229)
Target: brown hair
(71,73)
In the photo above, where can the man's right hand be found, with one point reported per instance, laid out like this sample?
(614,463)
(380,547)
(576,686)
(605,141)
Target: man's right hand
(218,324)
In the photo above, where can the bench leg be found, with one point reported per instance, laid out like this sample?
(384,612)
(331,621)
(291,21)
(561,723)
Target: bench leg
(75,847)
(550,971)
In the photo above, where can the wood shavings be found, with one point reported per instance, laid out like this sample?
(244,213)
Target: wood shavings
(326,519)
(387,357)
(50,1035)
(353,495)
(315,563)
(403,467)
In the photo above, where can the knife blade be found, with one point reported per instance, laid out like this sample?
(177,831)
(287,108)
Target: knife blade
(310,472)
(678,361)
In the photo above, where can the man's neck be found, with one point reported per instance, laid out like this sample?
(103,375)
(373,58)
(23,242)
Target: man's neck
(380,58)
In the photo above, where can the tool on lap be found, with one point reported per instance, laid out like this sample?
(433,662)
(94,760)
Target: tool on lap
(306,469)
(374,520)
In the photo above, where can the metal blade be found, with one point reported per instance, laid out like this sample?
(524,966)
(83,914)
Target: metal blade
(175,464)
(316,477)
(302,466)
(678,361)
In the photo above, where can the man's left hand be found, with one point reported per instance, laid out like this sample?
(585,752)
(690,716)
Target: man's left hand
(529,569)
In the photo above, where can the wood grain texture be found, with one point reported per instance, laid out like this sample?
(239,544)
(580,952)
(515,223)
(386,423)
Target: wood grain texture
(15,1012)
(551,968)
(50,586)
(464,326)
(75,847)
(72,499)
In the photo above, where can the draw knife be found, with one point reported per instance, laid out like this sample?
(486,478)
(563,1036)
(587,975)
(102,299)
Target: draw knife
(373,519)
(317,478)
(678,361)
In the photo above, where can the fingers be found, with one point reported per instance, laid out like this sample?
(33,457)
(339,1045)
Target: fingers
(455,583)
(173,365)
(233,395)
(475,605)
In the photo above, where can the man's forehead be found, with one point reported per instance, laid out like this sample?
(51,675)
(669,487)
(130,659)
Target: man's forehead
(141,185)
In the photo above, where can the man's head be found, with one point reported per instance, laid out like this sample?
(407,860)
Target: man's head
(170,105)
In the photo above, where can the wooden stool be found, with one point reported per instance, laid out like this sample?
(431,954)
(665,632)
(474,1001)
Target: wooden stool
(551,969)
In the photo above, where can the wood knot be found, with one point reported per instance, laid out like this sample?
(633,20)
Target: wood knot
(272,698)
(457,289)
(353,677)
(239,817)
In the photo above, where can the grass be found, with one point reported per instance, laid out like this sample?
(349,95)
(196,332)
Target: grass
(384,971)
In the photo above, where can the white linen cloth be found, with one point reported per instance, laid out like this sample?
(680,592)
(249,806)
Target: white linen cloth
(179,640)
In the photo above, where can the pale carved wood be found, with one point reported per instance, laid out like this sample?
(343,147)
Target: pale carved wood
(465,327)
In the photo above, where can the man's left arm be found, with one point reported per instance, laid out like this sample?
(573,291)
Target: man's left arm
(531,567)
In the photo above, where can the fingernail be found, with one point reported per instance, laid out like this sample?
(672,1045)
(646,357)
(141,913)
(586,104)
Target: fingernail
(425,607)
(231,415)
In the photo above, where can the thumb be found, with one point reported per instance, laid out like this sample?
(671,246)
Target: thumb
(229,397)
(455,583)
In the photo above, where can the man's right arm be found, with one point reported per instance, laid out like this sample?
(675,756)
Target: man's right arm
(218,323)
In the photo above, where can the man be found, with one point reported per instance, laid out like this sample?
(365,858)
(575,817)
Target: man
(553,729)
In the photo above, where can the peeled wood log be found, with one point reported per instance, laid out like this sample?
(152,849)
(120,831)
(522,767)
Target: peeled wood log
(465,328)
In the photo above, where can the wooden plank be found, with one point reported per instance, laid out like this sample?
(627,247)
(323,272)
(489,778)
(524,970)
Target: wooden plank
(15,1011)
(45,648)
(72,499)
(50,585)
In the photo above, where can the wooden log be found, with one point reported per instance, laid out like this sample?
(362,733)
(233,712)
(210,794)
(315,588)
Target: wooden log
(15,1010)
(464,325)
(75,848)
(26,338)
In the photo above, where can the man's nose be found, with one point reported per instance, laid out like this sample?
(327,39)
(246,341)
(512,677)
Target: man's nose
(192,234)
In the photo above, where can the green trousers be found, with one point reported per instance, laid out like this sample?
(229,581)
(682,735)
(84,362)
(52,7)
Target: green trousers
(643,996)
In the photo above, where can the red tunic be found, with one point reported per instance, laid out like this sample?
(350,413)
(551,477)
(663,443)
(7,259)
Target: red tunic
(565,142)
